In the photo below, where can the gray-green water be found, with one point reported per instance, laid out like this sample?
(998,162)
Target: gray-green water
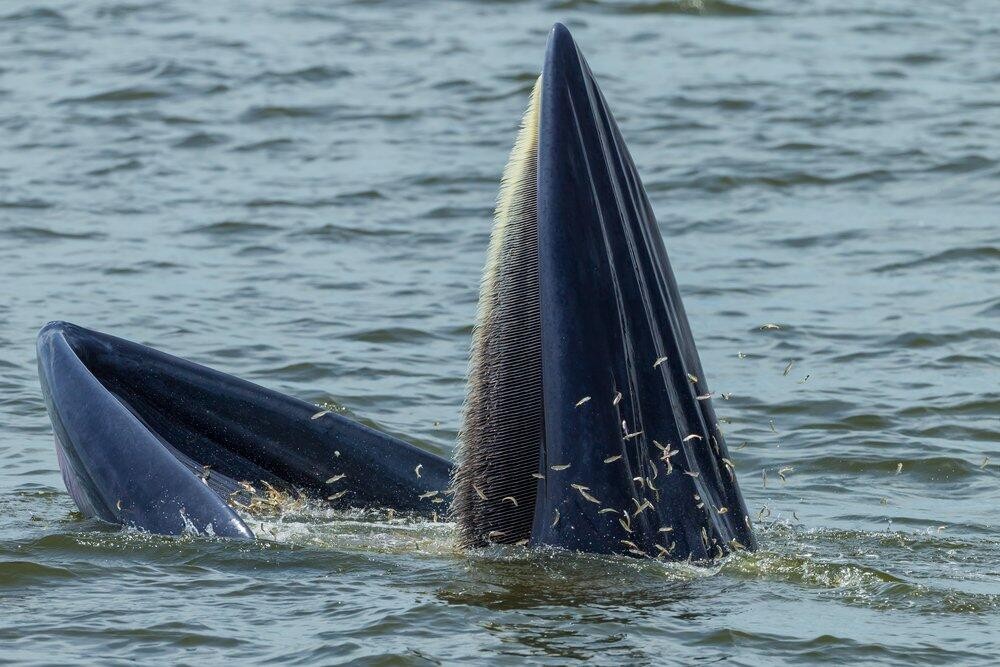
(300,193)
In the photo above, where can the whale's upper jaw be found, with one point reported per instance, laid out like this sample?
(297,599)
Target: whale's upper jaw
(588,408)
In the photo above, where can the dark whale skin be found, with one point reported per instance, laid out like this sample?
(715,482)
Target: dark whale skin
(135,429)
(610,312)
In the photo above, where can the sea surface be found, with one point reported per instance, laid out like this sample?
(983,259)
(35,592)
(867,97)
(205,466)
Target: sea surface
(300,193)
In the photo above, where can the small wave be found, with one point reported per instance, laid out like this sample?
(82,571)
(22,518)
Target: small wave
(692,7)
(932,468)
(127,165)
(865,422)
(857,94)
(256,114)
(987,254)
(823,240)
(390,335)
(140,268)
(815,558)
(25,203)
(317,525)
(43,15)
(123,10)
(288,203)
(985,407)
(718,183)
(334,232)
(299,372)
(17,573)
(266,145)
(120,95)
(232,228)
(964,164)
(201,140)
(338,200)
(315,74)
(992,310)
(919,58)
(921,340)
(44,234)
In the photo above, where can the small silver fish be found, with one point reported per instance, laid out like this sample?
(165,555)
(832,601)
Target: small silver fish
(612,459)
(582,401)
(335,478)
(659,360)
(646,505)
(562,466)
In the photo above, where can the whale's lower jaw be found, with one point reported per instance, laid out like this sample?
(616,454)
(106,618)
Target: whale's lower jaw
(156,442)
(587,409)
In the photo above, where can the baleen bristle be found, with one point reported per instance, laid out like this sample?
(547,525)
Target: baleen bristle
(499,449)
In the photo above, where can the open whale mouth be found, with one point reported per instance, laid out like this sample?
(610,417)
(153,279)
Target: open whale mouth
(588,421)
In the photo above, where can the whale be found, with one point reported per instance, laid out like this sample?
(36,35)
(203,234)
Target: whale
(588,423)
